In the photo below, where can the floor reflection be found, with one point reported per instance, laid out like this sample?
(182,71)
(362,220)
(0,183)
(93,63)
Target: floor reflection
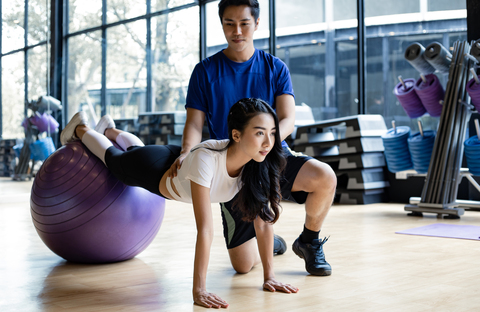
(127,284)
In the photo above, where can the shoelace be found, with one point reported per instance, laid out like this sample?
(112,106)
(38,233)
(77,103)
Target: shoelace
(319,255)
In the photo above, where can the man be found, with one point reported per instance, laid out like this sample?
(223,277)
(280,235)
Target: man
(241,71)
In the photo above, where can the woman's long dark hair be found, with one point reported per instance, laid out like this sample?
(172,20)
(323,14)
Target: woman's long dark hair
(260,180)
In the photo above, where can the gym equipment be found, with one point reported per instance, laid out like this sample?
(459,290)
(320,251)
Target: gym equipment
(430,92)
(473,89)
(408,98)
(397,154)
(84,214)
(475,50)
(420,145)
(472,152)
(353,147)
(439,194)
(44,122)
(415,55)
(439,57)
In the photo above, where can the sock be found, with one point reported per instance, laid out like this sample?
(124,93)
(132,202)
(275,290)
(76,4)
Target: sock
(126,139)
(308,236)
(97,143)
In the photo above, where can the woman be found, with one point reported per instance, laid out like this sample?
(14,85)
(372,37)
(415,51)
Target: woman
(248,163)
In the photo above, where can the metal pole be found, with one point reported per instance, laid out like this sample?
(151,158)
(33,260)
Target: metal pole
(272,25)
(103,94)
(361,44)
(148,55)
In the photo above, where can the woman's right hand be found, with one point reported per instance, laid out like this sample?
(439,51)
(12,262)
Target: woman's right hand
(208,300)
(176,165)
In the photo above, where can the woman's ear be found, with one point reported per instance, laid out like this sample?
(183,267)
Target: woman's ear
(236,135)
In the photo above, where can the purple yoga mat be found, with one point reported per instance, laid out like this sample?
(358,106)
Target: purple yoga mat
(446,230)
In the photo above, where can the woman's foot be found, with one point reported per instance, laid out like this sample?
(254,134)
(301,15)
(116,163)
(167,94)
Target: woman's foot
(68,133)
(106,122)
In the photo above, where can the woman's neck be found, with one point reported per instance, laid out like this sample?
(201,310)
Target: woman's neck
(235,161)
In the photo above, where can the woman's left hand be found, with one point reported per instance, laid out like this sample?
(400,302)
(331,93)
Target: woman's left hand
(273,285)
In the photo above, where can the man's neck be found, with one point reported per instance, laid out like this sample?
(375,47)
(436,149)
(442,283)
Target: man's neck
(239,57)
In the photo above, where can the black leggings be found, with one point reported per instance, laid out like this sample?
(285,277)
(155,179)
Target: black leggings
(142,166)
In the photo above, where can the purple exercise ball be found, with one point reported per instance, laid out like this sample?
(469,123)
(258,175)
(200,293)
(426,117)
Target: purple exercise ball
(84,214)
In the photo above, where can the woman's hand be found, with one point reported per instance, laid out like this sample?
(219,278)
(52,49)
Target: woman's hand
(208,300)
(273,285)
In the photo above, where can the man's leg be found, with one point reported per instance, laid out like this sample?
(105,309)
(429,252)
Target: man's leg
(318,181)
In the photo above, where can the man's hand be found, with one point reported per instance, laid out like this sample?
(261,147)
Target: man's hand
(208,300)
(176,165)
(273,285)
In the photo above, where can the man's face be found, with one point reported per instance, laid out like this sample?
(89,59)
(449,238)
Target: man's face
(238,26)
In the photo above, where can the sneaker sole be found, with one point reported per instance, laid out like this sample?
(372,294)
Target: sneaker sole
(300,255)
(284,244)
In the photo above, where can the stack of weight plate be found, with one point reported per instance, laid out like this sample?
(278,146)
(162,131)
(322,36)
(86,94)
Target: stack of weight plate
(161,128)
(7,156)
(353,147)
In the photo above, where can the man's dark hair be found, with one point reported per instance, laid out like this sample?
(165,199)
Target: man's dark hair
(253,4)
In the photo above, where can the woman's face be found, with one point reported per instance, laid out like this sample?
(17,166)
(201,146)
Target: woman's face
(258,137)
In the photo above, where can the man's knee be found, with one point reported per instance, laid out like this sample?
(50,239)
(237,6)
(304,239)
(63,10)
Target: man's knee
(316,175)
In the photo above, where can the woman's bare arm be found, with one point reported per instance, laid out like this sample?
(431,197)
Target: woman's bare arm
(203,218)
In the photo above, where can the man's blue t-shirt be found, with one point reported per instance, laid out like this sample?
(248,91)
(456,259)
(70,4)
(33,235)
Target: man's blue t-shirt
(218,82)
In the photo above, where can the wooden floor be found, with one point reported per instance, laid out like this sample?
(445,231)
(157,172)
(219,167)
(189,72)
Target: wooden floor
(374,269)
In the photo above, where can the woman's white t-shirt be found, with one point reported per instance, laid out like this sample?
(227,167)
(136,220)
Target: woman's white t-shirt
(206,166)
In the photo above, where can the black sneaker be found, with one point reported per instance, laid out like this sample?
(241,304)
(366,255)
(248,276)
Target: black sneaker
(313,255)
(279,245)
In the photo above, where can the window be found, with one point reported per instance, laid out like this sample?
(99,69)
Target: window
(13,25)
(175,46)
(126,67)
(83,14)
(84,73)
(24,60)
(322,59)
(37,72)
(119,10)
(140,59)
(13,95)
(386,45)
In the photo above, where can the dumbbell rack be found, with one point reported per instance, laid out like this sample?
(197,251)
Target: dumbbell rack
(440,190)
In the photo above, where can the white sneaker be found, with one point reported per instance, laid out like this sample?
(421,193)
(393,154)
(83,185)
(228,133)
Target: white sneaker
(106,122)
(68,133)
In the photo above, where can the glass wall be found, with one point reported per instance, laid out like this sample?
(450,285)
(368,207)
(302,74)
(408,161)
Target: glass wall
(126,69)
(84,73)
(13,25)
(13,95)
(25,60)
(142,52)
(83,14)
(175,54)
(140,58)
(386,45)
(37,71)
